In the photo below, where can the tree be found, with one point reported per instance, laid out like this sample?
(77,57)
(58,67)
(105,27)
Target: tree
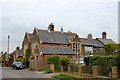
(118,64)
(111,47)
(65,61)
(26,59)
(53,60)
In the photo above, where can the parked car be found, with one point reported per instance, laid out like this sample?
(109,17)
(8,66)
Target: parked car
(82,61)
(18,65)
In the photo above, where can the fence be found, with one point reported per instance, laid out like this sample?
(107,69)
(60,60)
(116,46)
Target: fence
(91,71)
(38,64)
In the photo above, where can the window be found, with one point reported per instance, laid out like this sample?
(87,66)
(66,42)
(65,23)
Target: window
(76,47)
(88,50)
(64,45)
(36,56)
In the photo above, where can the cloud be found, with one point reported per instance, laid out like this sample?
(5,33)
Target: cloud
(76,16)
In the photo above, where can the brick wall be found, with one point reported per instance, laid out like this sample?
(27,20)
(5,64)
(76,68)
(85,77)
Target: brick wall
(38,64)
(54,45)
(45,56)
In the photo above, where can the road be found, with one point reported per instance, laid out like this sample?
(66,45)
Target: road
(23,74)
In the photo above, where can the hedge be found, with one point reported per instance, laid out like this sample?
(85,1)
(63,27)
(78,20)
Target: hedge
(101,61)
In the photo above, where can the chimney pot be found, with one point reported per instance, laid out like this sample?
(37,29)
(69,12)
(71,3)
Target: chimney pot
(51,27)
(61,30)
(104,35)
(89,36)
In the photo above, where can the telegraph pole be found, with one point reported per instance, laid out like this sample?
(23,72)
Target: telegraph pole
(8,43)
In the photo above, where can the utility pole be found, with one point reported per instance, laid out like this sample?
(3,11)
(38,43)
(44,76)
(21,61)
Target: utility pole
(8,44)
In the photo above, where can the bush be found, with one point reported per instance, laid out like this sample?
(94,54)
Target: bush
(54,60)
(48,70)
(65,61)
(31,57)
(40,69)
(111,47)
(65,77)
(31,69)
(25,61)
(101,61)
(105,62)
(118,64)
(20,59)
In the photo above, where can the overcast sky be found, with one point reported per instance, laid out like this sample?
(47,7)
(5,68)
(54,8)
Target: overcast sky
(79,16)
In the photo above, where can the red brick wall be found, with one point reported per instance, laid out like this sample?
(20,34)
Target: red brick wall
(38,64)
(54,45)
(45,56)
(82,51)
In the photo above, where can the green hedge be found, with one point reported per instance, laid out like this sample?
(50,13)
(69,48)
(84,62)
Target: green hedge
(101,61)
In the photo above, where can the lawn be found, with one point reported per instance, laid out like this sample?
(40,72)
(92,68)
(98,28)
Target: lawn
(65,77)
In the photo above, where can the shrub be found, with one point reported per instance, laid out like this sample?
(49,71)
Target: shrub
(48,70)
(118,63)
(20,59)
(31,69)
(40,69)
(54,60)
(101,61)
(25,61)
(111,47)
(65,77)
(31,57)
(105,62)
(65,61)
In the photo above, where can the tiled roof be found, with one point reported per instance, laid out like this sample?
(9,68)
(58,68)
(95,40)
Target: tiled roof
(56,50)
(91,42)
(55,37)
(104,41)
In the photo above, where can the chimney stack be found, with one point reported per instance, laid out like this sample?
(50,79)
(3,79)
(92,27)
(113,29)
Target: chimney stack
(17,48)
(51,27)
(89,36)
(104,35)
(61,30)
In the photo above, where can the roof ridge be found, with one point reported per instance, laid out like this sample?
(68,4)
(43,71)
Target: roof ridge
(56,31)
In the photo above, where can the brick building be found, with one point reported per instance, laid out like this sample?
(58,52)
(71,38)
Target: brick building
(17,53)
(44,43)
(91,45)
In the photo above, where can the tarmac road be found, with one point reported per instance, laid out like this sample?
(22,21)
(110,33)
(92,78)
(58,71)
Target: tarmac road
(10,74)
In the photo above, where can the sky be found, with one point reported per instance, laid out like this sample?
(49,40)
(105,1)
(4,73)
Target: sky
(80,16)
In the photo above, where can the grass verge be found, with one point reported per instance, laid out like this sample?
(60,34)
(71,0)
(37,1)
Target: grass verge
(65,77)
